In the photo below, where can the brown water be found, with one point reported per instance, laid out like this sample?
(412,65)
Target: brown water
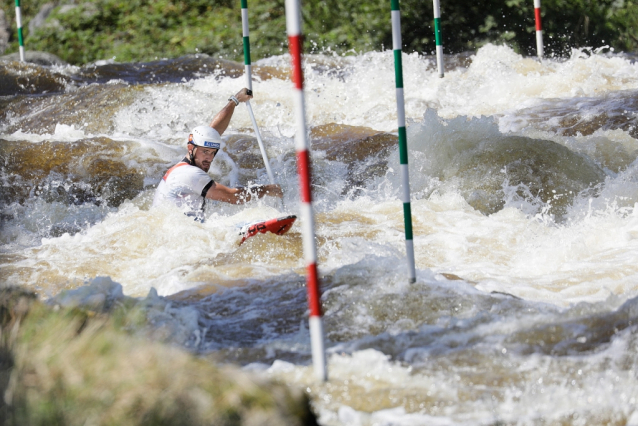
(524,188)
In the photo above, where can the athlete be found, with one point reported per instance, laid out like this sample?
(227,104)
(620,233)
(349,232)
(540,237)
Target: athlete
(187,184)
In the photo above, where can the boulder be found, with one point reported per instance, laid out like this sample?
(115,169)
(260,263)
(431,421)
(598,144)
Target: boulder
(39,19)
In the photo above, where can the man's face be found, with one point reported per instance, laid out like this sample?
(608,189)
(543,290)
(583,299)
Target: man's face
(204,157)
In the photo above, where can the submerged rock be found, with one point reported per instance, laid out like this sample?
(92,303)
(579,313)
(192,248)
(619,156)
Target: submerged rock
(491,169)
(72,366)
(363,149)
(91,170)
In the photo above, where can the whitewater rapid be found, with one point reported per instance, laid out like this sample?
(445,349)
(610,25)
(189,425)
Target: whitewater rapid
(524,188)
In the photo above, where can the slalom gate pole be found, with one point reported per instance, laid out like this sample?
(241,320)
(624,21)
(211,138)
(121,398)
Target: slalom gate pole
(539,28)
(249,85)
(19,23)
(437,36)
(293,28)
(403,143)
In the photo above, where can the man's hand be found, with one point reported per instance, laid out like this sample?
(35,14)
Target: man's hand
(243,96)
(222,119)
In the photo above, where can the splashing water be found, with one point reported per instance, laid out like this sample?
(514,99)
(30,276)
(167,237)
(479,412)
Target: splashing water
(524,188)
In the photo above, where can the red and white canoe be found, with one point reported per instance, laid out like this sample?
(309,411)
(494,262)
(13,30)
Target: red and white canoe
(278,225)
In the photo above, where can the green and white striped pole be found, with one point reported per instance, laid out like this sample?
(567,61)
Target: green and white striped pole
(20,37)
(437,36)
(249,85)
(403,143)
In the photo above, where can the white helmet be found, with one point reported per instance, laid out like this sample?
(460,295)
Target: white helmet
(206,137)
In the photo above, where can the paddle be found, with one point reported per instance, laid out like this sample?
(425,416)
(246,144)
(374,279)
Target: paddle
(259,141)
(249,85)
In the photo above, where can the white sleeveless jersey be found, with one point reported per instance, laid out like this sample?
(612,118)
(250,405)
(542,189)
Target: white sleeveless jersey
(185,186)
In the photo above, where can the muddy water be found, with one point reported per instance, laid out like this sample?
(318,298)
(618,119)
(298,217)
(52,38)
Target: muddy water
(524,191)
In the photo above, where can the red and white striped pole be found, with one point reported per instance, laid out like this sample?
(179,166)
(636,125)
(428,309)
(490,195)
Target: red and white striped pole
(293,27)
(539,28)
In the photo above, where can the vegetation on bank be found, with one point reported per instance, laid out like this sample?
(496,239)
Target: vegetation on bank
(142,30)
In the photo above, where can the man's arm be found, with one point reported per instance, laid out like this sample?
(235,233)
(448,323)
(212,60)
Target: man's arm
(222,119)
(221,192)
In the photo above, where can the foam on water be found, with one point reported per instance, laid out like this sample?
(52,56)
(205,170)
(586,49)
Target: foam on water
(160,118)
(171,255)
(369,389)
(62,133)
(468,368)
(359,91)
(522,313)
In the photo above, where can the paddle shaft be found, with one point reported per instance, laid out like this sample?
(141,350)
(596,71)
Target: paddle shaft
(261,144)
(249,85)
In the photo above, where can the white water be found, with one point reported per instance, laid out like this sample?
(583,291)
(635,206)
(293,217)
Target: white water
(451,360)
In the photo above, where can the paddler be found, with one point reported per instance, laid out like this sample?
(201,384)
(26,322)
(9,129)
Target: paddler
(187,184)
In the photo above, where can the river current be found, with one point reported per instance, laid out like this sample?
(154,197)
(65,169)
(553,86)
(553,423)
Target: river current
(524,186)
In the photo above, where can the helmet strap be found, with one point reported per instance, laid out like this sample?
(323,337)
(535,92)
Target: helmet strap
(191,152)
